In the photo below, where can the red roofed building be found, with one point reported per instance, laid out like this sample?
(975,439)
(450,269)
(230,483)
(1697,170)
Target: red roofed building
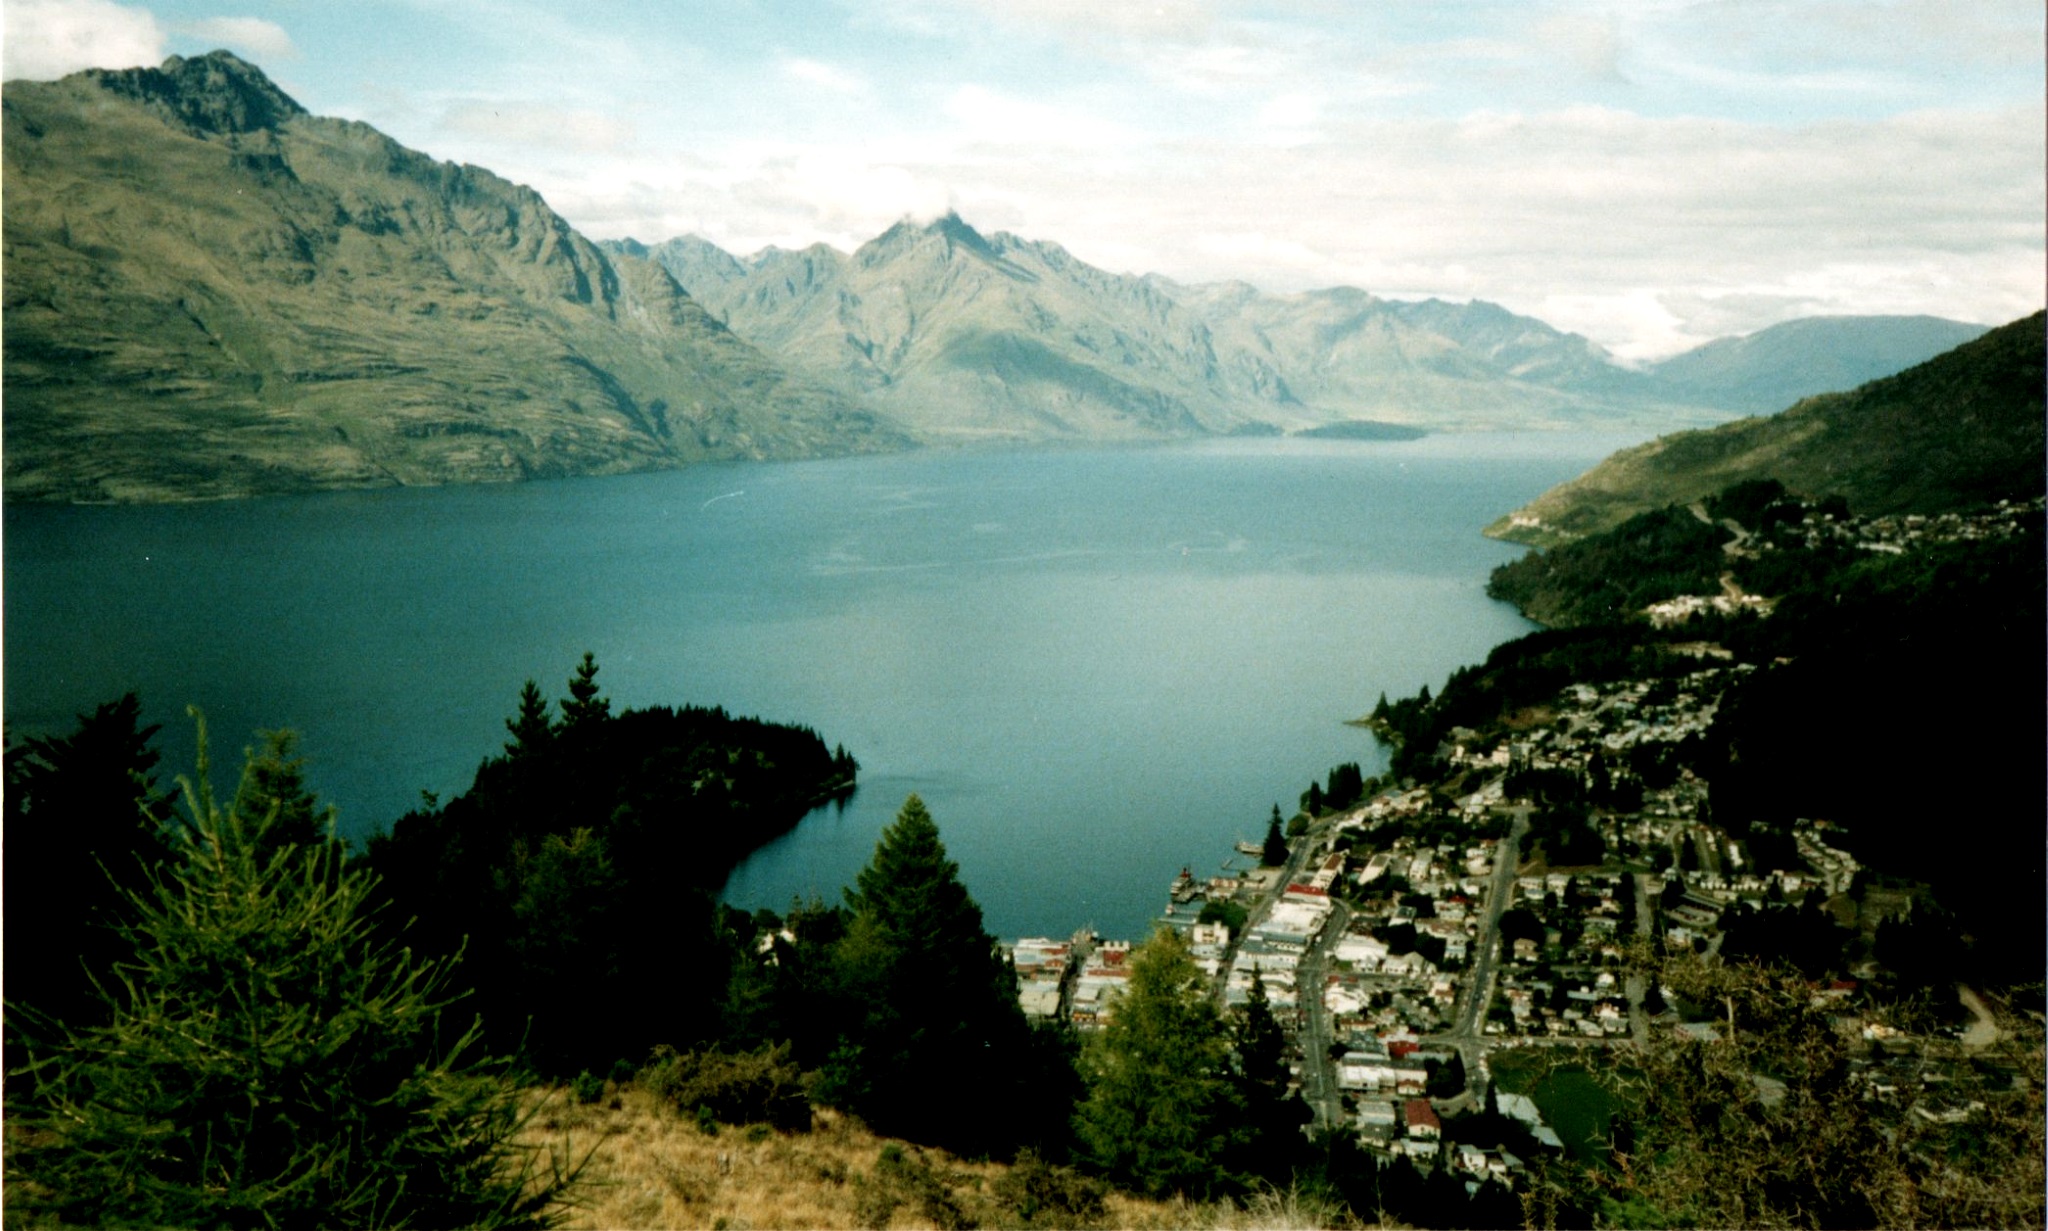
(1306,891)
(1421,1118)
(1401,1049)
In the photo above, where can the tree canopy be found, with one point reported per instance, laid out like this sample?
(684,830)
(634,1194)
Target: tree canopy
(1164,1113)
(932,1033)
(85,823)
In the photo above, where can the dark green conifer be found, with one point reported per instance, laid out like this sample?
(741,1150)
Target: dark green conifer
(583,706)
(85,822)
(274,796)
(531,728)
(1274,852)
(935,1031)
(1164,1112)
(266,1062)
(1273,1118)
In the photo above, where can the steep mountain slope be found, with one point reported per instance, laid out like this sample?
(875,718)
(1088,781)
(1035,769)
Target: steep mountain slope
(210,292)
(1961,429)
(1348,354)
(966,337)
(961,335)
(1775,367)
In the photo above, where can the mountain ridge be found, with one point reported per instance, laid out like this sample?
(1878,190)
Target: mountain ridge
(211,292)
(1223,356)
(1962,428)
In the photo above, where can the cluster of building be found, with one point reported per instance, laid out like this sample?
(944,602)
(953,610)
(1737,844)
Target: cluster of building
(1900,534)
(1366,953)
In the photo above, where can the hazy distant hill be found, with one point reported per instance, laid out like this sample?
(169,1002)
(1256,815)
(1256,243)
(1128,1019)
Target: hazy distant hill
(1775,367)
(960,335)
(1963,428)
(210,292)
(963,335)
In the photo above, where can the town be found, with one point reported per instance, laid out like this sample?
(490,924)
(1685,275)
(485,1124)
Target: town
(1422,935)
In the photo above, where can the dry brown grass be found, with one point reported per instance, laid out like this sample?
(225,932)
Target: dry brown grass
(652,1168)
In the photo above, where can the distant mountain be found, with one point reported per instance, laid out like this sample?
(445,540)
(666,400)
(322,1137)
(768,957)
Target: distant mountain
(1961,429)
(1775,367)
(210,292)
(960,335)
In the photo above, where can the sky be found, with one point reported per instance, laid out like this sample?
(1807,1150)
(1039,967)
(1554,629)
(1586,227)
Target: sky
(1650,173)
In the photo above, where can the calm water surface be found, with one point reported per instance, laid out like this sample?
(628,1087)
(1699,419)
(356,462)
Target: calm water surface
(1096,666)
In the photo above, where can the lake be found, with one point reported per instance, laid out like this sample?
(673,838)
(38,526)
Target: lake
(1095,665)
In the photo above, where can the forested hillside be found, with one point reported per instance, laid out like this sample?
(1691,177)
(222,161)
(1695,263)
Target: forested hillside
(1963,428)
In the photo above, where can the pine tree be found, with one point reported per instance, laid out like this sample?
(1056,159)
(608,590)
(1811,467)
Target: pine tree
(273,792)
(531,728)
(1164,1114)
(936,1031)
(583,706)
(1274,853)
(85,822)
(1273,1118)
(266,1062)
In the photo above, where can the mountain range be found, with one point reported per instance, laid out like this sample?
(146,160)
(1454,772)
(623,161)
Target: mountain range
(211,292)
(959,335)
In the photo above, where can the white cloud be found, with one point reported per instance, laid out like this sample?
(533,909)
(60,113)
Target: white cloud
(1648,235)
(45,39)
(1072,21)
(1293,110)
(818,73)
(252,36)
(1590,43)
(1004,119)
(537,126)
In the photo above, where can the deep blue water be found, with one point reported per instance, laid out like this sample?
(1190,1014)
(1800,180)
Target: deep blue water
(1094,665)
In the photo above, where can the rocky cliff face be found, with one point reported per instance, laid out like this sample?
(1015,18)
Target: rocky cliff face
(210,292)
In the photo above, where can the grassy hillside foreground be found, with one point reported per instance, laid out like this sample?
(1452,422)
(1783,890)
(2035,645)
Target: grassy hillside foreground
(650,1167)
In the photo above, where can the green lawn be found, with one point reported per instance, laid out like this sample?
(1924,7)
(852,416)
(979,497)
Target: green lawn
(1571,1099)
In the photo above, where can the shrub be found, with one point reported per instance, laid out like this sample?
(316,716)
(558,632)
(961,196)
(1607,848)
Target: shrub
(757,1087)
(1035,1193)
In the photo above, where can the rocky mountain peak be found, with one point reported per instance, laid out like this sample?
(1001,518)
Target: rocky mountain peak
(949,229)
(216,93)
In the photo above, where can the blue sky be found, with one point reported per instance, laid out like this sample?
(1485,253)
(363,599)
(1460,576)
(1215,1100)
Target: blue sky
(1651,173)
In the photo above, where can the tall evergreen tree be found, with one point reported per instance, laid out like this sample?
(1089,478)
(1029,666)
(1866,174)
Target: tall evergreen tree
(266,1062)
(273,791)
(85,822)
(1274,852)
(1164,1113)
(1273,1118)
(934,1035)
(583,707)
(530,727)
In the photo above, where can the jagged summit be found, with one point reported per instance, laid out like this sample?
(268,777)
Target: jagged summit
(322,307)
(218,92)
(949,228)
